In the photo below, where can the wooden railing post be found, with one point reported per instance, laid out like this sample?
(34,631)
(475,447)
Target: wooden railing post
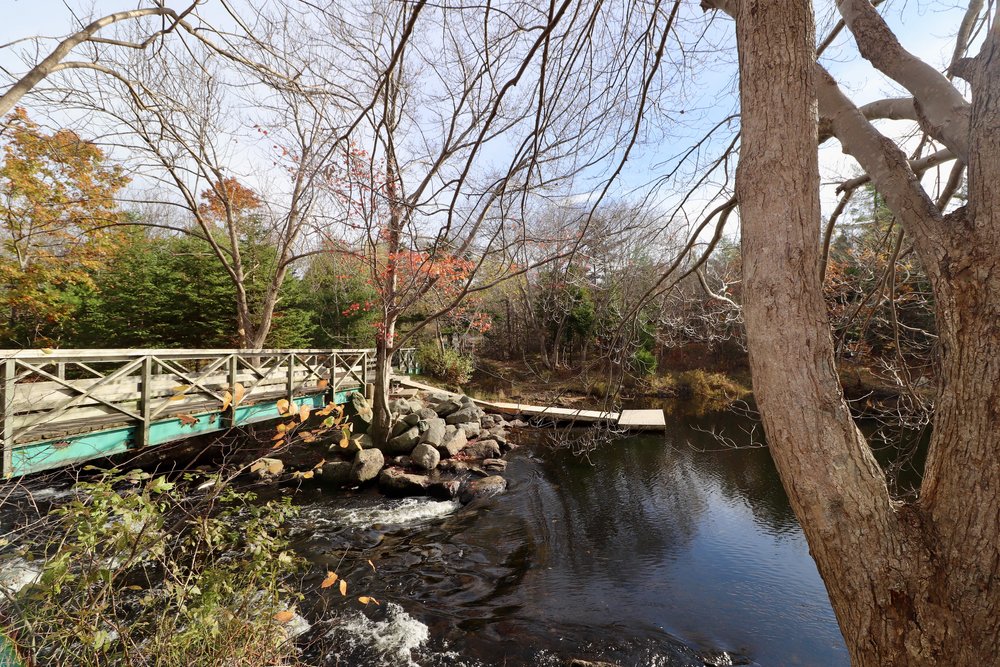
(145,398)
(291,379)
(232,373)
(7,423)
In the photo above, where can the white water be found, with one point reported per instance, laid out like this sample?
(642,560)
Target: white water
(388,512)
(393,639)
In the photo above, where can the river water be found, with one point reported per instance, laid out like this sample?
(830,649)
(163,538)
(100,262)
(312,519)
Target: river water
(653,550)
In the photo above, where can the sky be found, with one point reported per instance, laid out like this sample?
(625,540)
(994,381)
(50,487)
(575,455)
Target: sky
(924,27)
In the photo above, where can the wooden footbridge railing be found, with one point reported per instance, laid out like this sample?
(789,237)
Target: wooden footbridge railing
(59,407)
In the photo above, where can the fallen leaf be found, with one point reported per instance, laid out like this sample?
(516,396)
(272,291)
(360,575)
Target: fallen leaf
(187,420)
(331,579)
(343,587)
(284,616)
(364,599)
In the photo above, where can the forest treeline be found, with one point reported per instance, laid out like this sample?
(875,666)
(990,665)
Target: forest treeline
(79,268)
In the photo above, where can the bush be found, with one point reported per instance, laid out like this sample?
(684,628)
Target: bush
(136,574)
(447,365)
(712,391)
(643,362)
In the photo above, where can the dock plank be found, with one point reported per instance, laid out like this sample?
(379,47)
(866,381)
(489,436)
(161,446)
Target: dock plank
(643,419)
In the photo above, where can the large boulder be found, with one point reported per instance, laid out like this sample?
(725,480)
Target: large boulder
(444,489)
(434,435)
(425,456)
(397,482)
(18,573)
(337,473)
(482,449)
(495,465)
(468,413)
(483,487)
(454,444)
(400,406)
(426,414)
(471,429)
(367,465)
(448,407)
(359,402)
(404,442)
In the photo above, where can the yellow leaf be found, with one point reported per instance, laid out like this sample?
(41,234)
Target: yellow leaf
(308,474)
(278,436)
(177,397)
(364,599)
(323,383)
(282,406)
(238,393)
(304,413)
(227,400)
(343,587)
(181,388)
(331,579)
(284,616)
(281,428)
(372,564)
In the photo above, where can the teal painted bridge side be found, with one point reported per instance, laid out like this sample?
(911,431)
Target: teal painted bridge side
(74,449)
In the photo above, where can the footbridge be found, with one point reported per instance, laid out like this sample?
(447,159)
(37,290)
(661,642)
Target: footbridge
(61,407)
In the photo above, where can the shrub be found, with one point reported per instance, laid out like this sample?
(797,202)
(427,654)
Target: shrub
(447,365)
(643,362)
(136,574)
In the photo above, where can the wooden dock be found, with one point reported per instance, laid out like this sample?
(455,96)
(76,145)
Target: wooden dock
(639,420)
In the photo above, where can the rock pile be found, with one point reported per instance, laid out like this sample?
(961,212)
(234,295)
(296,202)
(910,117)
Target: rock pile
(442,445)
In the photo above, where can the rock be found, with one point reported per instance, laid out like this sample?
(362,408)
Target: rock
(367,465)
(454,444)
(517,423)
(425,456)
(496,465)
(444,489)
(482,449)
(434,435)
(266,468)
(484,487)
(723,658)
(447,407)
(400,406)
(466,414)
(294,627)
(337,473)
(364,441)
(402,461)
(487,422)
(471,429)
(398,482)
(426,414)
(359,402)
(577,662)
(404,442)
(495,429)
(365,417)
(452,465)
(17,573)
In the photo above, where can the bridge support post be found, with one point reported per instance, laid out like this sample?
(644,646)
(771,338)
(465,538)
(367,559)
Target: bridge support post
(145,399)
(291,380)
(228,417)
(7,418)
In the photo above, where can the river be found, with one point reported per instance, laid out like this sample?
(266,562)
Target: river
(652,550)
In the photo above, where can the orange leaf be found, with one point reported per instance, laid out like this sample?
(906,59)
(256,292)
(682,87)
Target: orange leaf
(238,393)
(187,420)
(284,616)
(278,444)
(308,474)
(343,587)
(323,383)
(278,436)
(304,413)
(331,579)
(364,599)
(227,400)
(282,406)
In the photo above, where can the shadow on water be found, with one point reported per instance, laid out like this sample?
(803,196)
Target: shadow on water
(659,547)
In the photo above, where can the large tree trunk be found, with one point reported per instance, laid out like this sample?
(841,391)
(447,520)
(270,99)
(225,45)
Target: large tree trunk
(868,549)
(382,417)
